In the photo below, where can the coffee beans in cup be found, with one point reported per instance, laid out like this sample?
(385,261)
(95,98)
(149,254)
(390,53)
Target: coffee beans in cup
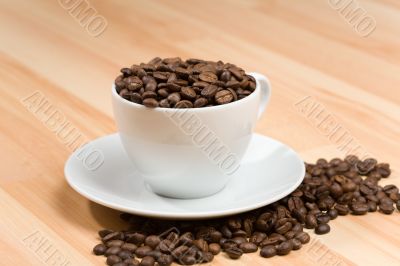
(330,189)
(177,83)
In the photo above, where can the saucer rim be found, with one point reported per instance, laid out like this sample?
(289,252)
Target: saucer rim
(186,215)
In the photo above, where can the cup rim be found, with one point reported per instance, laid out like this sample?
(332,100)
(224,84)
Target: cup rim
(200,109)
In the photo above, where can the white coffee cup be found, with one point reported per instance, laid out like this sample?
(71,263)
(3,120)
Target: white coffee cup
(189,153)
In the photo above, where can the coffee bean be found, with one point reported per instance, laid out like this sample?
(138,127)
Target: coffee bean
(386,208)
(104,232)
(372,207)
(284,248)
(188,93)
(234,252)
(359,208)
(268,251)
(322,229)
(147,261)
(303,237)
(208,77)
(333,214)
(124,254)
(115,243)
(398,205)
(200,102)
(223,97)
(296,244)
(342,209)
(112,251)
(248,247)
(131,262)
(150,102)
(311,221)
(239,240)
(206,257)
(201,244)
(113,236)
(214,248)
(129,247)
(323,218)
(188,260)
(257,237)
(184,104)
(209,91)
(99,249)
(165,260)
(142,251)
(113,259)
(152,241)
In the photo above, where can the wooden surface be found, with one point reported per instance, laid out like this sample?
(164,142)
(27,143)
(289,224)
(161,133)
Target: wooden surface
(306,48)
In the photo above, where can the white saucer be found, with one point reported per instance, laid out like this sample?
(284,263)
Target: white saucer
(269,171)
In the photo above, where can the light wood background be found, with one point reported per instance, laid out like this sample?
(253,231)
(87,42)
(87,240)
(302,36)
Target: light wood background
(306,48)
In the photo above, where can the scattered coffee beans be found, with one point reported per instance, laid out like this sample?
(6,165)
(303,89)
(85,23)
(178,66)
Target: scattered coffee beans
(175,83)
(330,188)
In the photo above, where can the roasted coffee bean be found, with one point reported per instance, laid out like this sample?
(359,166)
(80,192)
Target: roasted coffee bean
(214,248)
(398,205)
(115,243)
(152,241)
(206,257)
(303,237)
(154,253)
(296,244)
(234,252)
(257,237)
(248,247)
(223,97)
(323,218)
(372,207)
(112,251)
(311,221)
(142,251)
(226,232)
(188,93)
(131,262)
(179,251)
(104,232)
(147,261)
(99,249)
(200,102)
(209,91)
(187,260)
(113,259)
(284,248)
(150,102)
(386,208)
(129,247)
(333,214)
(268,251)
(113,236)
(201,244)
(165,260)
(184,104)
(359,208)
(239,233)
(322,229)
(342,209)
(124,254)
(239,240)
(208,77)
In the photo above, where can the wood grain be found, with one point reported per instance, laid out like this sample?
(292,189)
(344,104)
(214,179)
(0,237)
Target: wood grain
(306,48)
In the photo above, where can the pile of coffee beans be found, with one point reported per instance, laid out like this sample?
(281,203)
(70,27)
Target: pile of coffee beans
(330,188)
(174,83)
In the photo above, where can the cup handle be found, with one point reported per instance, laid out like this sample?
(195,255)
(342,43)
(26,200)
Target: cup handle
(265,93)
